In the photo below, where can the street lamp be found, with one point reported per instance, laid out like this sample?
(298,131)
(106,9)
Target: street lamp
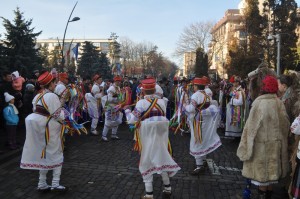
(63,42)
(278,40)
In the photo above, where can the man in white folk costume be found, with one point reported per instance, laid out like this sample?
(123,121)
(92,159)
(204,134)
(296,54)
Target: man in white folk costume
(93,100)
(61,87)
(111,104)
(235,109)
(203,118)
(43,148)
(151,135)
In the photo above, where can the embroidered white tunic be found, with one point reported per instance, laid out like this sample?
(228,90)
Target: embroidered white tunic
(154,132)
(61,91)
(113,117)
(295,128)
(35,137)
(231,130)
(210,120)
(93,101)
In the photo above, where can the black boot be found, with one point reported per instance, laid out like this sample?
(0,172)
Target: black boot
(269,194)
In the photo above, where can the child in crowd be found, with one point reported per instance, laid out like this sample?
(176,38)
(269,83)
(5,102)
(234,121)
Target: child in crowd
(10,113)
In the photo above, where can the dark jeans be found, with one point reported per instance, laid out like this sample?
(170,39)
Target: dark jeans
(12,135)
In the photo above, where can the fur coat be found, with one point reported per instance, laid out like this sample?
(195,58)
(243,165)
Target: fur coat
(263,146)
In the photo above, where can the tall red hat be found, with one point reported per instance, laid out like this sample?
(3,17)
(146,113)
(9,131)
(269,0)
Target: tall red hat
(200,81)
(148,84)
(117,78)
(175,78)
(45,78)
(96,77)
(207,79)
(63,76)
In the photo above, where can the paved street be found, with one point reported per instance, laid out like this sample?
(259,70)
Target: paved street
(94,169)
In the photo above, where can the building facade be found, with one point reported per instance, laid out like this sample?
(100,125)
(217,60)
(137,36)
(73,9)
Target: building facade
(222,33)
(102,45)
(189,60)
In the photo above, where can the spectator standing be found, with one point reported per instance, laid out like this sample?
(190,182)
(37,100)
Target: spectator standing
(10,113)
(263,147)
(5,86)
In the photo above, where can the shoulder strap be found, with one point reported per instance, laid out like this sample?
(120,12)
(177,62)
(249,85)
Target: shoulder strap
(41,97)
(153,103)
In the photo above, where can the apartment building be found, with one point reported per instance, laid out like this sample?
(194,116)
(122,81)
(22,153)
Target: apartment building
(222,33)
(102,44)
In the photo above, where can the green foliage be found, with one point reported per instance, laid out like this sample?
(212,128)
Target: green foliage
(93,62)
(245,54)
(201,66)
(284,22)
(114,47)
(54,58)
(241,63)
(3,58)
(20,44)
(44,53)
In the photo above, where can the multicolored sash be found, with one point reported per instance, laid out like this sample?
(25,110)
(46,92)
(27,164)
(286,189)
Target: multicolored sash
(197,123)
(146,114)
(237,112)
(44,110)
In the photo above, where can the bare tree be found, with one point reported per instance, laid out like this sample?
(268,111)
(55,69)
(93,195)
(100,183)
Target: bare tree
(127,47)
(194,36)
(145,56)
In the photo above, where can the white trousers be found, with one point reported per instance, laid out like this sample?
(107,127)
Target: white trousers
(199,160)
(106,129)
(55,179)
(149,182)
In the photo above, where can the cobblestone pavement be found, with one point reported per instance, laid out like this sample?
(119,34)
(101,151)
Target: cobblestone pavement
(96,170)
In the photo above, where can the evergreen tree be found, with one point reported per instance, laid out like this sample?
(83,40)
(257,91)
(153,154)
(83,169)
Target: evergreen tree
(20,42)
(54,58)
(3,58)
(201,66)
(92,61)
(284,22)
(114,48)
(104,68)
(44,53)
(245,55)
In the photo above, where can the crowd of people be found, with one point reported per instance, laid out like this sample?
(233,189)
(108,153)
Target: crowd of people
(263,111)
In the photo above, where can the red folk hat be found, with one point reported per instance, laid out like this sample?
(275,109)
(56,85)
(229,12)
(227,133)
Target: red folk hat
(200,81)
(234,78)
(231,80)
(148,84)
(117,78)
(96,77)
(45,78)
(270,84)
(207,79)
(175,78)
(63,76)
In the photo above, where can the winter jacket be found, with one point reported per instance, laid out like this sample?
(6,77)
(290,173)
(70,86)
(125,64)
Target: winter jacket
(263,147)
(9,115)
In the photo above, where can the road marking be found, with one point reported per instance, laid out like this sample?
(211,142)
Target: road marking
(215,169)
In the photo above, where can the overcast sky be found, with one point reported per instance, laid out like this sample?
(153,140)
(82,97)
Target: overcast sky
(157,21)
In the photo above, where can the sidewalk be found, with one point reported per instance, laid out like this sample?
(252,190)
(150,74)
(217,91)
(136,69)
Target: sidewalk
(94,169)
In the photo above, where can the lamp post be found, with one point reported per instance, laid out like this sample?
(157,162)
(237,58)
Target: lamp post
(63,42)
(278,40)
